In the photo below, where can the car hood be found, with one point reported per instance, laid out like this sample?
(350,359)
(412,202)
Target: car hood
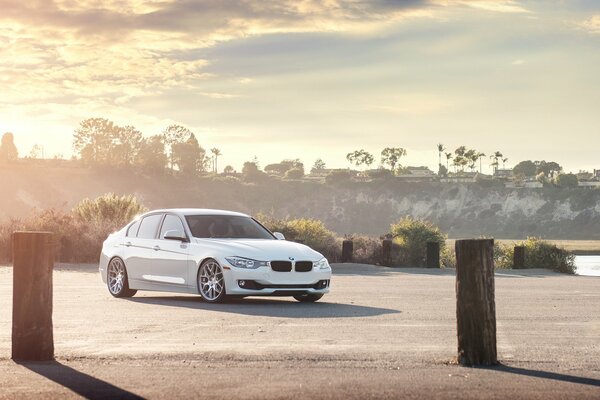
(261,249)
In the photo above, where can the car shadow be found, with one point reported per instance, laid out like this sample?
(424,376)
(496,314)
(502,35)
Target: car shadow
(545,375)
(83,384)
(268,307)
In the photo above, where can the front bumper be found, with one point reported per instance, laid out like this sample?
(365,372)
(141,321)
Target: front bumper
(264,281)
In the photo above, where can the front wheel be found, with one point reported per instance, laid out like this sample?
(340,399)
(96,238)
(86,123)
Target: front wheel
(211,282)
(308,298)
(117,282)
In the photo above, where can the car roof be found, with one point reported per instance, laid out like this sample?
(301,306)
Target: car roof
(196,211)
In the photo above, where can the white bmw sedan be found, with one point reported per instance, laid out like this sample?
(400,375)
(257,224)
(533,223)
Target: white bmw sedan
(213,253)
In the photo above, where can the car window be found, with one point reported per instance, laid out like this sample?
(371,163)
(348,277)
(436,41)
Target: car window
(149,226)
(226,227)
(171,223)
(133,229)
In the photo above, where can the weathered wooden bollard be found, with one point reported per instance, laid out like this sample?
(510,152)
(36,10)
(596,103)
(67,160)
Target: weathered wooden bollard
(475,302)
(386,252)
(347,250)
(33,262)
(519,257)
(433,255)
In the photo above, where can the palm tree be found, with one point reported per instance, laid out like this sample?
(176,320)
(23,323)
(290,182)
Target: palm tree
(448,158)
(216,153)
(441,149)
(504,160)
(496,156)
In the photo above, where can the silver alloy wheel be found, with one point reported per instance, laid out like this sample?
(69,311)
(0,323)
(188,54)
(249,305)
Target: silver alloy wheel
(116,276)
(211,281)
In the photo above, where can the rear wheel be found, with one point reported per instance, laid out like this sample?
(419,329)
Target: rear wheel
(211,282)
(308,298)
(117,282)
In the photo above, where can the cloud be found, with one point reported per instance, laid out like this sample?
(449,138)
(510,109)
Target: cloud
(501,6)
(591,25)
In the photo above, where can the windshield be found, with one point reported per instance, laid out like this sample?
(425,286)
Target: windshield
(226,227)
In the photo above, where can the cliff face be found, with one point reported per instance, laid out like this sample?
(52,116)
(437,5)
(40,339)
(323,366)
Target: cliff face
(369,207)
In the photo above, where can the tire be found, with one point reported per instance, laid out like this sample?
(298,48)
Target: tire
(308,298)
(117,280)
(211,282)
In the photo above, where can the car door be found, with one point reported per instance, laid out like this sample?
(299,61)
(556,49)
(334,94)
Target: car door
(171,263)
(140,253)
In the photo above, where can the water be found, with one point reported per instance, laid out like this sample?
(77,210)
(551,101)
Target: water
(587,265)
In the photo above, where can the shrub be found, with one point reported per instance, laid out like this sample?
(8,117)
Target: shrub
(541,254)
(503,256)
(6,230)
(311,232)
(109,208)
(412,236)
(366,250)
(294,173)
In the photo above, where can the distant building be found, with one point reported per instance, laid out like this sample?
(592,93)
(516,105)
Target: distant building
(597,174)
(503,173)
(417,174)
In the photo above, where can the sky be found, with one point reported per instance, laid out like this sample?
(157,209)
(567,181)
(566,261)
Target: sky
(310,79)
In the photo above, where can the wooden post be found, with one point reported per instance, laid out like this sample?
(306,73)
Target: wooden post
(33,262)
(519,257)
(386,252)
(433,255)
(347,250)
(475,302)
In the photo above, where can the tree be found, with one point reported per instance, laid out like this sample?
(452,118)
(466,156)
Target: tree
(151,155)
(504,161)
(360,157)
(460,159)
(318,166)
(228,170)
(251,172)
(285,165)
(391,156)
(567,180)
(549,168)
(448,158)
(471,157)
(174,135)
(441,149)
(93,139)
(495,157)
(37,151)
(125,145)
(216,153)
(294,173)
(526,168)
(188,156)
(442,171)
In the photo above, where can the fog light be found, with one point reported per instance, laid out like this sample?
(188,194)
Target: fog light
(242,283)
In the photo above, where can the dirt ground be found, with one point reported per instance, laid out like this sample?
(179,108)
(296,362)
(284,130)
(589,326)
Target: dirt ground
(380,333)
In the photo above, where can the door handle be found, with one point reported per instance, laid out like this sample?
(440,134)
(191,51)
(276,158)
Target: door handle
(156,248)
(128,244)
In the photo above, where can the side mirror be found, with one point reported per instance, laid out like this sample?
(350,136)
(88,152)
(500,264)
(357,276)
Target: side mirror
(175,235)
(279,235)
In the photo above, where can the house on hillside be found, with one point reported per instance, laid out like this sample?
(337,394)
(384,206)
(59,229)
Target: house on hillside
(417,174)
(503,173)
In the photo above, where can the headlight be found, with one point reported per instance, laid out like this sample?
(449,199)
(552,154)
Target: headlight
(322,264)
(247,263)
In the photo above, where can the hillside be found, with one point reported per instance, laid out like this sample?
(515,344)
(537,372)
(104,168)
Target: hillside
(361,207)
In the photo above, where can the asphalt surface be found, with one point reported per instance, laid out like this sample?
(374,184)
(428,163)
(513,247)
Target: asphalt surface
(380,333)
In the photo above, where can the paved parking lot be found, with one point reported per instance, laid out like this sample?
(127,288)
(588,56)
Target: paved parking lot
(381,333)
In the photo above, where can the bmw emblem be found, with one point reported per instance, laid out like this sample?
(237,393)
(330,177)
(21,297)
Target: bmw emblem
(291,258)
